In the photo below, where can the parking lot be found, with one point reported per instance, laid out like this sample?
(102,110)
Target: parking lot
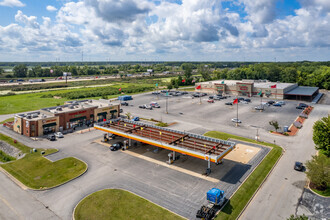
(215,115)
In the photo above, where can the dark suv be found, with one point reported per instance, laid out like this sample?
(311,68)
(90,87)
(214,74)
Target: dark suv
(51,137)
(116,146)
(298,166)
(301,106)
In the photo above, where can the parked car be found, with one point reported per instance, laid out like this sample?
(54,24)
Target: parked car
(11,81)
(271,102)
(136,119)
(244,102)
(236,120)
(217,97)
(259,107)
(116,146)
(298,166)
(211,97)
(247,100)
(210,101)
(148,107)
(281,102)
(51,137)
(154,105)
(204,94)
(20,80)
(121,110)
(155,93)
(142,106)
(124,103)
(240,99)
(277,104)
(228,103)
(184,93)
(59,134)
(301,106)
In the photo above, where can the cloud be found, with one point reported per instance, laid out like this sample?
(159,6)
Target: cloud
(12,3)
(260,11)
(29,21)
(51,8)
(117,11)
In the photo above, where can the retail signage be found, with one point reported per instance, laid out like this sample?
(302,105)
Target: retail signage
(76,113)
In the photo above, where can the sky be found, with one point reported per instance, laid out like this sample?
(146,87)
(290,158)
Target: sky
(164,30)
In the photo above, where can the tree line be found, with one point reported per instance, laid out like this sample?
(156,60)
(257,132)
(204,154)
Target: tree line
(316,74)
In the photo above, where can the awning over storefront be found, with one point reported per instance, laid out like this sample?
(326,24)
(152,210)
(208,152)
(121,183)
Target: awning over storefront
(77,119)
(113,111)
(49,125)
(102,113)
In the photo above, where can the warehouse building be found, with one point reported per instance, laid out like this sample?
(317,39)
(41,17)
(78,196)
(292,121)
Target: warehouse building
(275,90)
(66,117)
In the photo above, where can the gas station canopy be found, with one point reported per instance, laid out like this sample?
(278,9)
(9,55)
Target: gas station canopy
(194,145)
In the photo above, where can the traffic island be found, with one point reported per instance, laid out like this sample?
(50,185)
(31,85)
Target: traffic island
(37,172)
(119,204)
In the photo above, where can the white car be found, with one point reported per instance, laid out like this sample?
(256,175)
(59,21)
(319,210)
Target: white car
(281,102)
(236,120)
(59,135)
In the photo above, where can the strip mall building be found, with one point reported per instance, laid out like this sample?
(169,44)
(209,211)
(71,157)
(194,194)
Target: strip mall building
(275,90)
(65,117)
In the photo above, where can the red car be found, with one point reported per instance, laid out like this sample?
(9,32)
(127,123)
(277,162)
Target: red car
(210,101)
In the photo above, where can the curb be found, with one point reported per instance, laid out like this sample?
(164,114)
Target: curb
(74,210)
(262,183)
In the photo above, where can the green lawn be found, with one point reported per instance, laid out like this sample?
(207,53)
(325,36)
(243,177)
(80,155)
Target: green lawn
(325,193)
(239,200)
(120,204)
(5,157)
(33,101)
(37,172)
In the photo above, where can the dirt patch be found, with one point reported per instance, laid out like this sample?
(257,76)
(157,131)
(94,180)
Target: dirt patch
(57,97)
(242,153)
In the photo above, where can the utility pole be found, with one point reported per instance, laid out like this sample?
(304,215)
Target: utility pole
(166,102)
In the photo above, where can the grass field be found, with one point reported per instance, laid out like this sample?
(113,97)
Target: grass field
(5,157)
(33,101)
(120,204)
(239,200)
(37,172)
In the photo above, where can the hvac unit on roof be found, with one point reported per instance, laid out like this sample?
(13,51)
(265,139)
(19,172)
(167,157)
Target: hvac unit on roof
(28,117)
(71,107)
(90,101)
(35,116)
(58,109)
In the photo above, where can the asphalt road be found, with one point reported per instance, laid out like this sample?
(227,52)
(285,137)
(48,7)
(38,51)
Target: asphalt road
(174,190)
(279,197)
(179,192)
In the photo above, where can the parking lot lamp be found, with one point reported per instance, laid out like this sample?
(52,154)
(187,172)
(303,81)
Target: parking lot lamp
(166,102)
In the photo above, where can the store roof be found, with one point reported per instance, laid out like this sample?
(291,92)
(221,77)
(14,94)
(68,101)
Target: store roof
(302,90)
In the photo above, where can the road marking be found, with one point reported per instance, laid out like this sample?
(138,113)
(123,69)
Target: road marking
(9,206)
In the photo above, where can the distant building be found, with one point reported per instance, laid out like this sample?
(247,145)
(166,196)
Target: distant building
(250,88)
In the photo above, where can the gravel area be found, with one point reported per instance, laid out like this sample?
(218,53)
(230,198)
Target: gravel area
(10,150)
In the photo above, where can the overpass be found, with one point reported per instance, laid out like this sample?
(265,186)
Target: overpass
(202,147)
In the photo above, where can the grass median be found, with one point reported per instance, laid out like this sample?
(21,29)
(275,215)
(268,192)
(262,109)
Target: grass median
(37,172)
(120,204)
(242,196)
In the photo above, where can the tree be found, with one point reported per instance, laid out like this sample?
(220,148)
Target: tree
(187,67)
(204,71)
(274,124)
(169,86)
(1,71)
(318,169)
(299,217)
(321,137)
(20,70)
(129,115)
